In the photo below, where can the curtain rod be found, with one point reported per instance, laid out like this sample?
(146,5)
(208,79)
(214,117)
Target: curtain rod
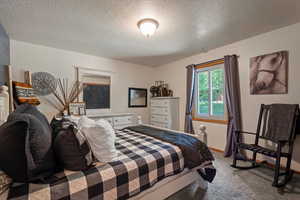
(220,59)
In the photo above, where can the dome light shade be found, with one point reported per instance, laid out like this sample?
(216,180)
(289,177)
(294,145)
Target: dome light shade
(147,26)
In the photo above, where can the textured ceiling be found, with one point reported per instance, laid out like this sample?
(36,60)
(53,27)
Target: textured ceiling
(108,28)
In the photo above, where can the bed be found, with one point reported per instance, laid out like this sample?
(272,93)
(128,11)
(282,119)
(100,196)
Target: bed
(147,168)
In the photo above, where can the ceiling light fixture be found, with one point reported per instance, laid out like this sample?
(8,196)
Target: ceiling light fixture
(148,26)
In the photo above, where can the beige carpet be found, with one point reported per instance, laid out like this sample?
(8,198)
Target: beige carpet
(233,184)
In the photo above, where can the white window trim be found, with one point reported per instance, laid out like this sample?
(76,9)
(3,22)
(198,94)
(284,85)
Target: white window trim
(196,95)
(86,71)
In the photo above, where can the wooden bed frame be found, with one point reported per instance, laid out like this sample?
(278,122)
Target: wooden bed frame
(171,185)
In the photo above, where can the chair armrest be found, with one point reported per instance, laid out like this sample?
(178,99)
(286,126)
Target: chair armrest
(250,133)
(283,142)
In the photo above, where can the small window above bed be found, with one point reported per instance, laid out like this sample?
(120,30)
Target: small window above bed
(97,91)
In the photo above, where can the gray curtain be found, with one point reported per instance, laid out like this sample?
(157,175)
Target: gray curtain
(233,102)
(190,87)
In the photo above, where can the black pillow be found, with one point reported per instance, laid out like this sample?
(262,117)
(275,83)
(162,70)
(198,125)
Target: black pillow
(60,124)
(12,150)
(71,148)
(40,161)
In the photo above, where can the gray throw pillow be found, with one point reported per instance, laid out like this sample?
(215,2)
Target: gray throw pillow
(31,109)
(38,146)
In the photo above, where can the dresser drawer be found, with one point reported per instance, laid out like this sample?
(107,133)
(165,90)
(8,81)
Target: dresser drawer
(122,120)
(159,103)
(160,118)
(159,110)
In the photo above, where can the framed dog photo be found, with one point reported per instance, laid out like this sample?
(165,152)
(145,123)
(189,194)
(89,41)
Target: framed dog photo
(77,108)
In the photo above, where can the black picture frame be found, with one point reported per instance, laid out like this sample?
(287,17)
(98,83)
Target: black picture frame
(134,102)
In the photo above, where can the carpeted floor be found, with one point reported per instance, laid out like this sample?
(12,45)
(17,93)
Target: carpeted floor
(233,184)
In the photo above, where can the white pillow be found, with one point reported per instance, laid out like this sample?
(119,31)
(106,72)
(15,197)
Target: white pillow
(101,137)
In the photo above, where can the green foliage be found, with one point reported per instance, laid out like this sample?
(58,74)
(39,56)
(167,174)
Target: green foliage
(217,86)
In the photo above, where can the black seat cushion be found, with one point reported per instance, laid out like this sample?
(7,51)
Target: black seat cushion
(71,148)
(260,149)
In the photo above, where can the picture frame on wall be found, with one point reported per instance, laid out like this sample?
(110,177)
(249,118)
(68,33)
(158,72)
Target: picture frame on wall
(77,108)
(269,73)
(137,97)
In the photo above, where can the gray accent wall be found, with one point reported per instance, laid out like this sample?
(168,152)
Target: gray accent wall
(4,55)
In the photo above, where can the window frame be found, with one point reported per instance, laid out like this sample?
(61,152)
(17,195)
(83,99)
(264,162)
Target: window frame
(109,96)
(81,72)
(209,66)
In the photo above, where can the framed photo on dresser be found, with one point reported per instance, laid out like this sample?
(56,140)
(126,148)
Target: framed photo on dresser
(137,97)
(77,108)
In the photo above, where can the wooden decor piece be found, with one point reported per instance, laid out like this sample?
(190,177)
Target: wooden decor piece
(63,94)
(10,89)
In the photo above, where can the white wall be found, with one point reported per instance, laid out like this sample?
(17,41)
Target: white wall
(36,58)
(282,39)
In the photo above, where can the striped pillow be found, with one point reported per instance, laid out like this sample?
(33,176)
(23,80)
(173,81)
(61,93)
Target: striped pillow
(24,93)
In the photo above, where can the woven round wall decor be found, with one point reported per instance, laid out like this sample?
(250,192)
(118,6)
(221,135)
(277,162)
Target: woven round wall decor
(42,82)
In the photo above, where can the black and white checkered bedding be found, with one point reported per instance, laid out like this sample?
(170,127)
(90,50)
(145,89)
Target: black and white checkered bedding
(143,161)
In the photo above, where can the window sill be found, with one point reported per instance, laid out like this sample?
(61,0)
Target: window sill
(216,121)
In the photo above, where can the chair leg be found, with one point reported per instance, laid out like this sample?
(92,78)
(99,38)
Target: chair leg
(277,168)
(277,171)
(254,159)
(288,171)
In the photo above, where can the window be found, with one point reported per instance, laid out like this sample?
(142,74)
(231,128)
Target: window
(96,96)
(96,93)
(209,94)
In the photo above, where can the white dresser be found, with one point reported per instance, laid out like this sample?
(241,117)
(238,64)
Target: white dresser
(117,120)
(165,112)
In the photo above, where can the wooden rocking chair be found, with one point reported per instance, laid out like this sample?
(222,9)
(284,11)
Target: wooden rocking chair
(276,123)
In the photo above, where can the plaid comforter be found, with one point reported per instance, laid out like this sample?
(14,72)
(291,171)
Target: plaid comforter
(143,161)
